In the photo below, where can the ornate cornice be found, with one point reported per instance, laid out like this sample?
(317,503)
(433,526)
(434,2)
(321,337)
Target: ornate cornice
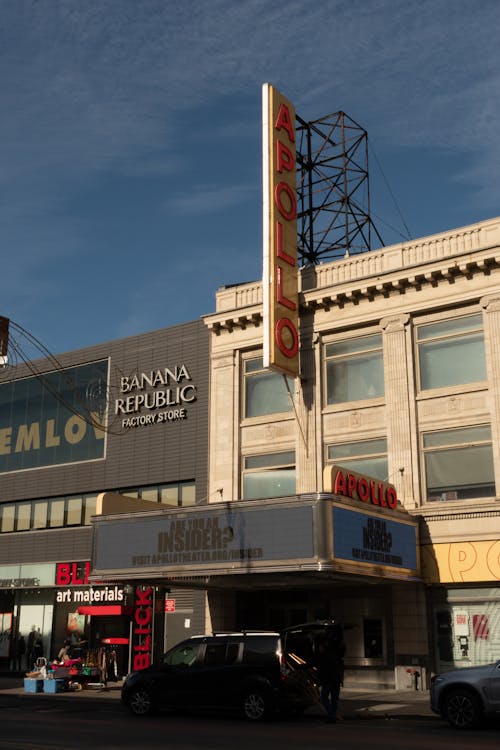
(430,261)
(431,515)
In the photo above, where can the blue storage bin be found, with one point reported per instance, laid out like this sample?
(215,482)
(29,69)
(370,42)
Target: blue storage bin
(53,686)
(33,685)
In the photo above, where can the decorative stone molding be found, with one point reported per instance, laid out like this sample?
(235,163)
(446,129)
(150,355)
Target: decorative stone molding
(451,515)
(391,270)
(490,302)
(355,419)
(224,361)
(395,323)
(455,405)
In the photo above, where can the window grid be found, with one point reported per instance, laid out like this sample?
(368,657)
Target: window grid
(265,391)
(451,352)
(354,369)
(458,464)
(367,457)
(76,510)
(268,475)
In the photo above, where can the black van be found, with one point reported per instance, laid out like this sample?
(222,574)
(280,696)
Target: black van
(251,672)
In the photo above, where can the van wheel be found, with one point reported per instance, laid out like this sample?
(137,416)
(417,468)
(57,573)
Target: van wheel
(256,705)
(462,709)
(141,702)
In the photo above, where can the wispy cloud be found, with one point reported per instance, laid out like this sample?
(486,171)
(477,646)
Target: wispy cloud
(210,199)
(87,84)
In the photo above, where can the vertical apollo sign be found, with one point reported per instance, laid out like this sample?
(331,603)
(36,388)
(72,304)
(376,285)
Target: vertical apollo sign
(280,272)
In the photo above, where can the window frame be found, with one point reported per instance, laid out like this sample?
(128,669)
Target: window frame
(349,357)
(427,322)
(259,469)
(261,371)
(73,516)
(450,447)
(178,490)
(345,461)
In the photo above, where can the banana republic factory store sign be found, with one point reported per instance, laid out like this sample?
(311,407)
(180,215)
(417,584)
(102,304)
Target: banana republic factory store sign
(356,526)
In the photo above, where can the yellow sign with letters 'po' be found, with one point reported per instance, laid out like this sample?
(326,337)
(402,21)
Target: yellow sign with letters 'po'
(461,562)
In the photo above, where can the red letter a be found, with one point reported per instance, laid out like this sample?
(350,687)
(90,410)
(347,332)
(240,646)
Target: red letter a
(283,121)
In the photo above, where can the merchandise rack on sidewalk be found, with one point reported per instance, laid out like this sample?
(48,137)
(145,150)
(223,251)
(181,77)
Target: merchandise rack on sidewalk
(76,677)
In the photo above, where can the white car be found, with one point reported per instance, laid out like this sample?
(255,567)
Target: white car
(466,696)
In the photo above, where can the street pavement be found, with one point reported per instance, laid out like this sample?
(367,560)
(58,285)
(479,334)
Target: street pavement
(354,702)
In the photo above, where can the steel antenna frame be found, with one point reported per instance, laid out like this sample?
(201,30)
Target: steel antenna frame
(333,193)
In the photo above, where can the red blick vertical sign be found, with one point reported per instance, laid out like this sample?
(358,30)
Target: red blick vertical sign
(142,628)
(280,269)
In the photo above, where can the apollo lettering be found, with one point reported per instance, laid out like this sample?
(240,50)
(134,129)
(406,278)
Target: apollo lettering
(363,488)
(285,331)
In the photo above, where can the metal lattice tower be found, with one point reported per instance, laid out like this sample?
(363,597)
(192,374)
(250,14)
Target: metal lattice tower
(333,194)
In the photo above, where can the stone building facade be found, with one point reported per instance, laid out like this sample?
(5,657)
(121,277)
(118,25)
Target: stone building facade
(399,378)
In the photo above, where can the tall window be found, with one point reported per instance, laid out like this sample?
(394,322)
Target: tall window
(459,463)
(354,369)
(269,475)
(451,352)
(8,517)
(367,457)
(266,391)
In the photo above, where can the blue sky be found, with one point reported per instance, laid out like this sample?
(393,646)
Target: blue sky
(130,141)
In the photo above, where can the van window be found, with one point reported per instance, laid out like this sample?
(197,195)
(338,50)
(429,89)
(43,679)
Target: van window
(260,650)
(233,650)
(184,655)
(215,654)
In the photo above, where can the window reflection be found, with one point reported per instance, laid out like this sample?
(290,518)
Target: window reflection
(56,513)
(77,510)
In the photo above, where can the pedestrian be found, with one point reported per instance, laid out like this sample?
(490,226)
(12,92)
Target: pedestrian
(329,662)
(29,648)
(20,650)
(64,654)
(38,647)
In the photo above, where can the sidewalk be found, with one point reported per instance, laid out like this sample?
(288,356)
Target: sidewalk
(354,702)
(357,703)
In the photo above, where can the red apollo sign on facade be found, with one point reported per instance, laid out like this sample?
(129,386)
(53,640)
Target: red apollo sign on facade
(280,271)
(369,490)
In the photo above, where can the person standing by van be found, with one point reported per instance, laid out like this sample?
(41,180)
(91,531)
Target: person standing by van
(329,662)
